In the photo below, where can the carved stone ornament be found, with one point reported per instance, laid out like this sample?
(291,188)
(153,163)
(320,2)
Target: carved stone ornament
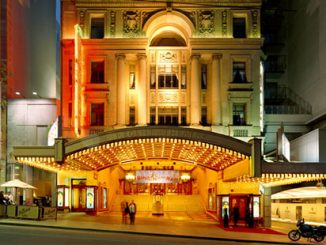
(82,18)
(131,21)
(112,23)
(254,15)
(224,23)
(167,98)
(168,57)
(206,21)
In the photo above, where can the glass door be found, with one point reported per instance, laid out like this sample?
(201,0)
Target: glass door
(78,195)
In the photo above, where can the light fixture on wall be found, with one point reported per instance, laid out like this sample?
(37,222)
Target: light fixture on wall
(19,94)
(36,94)
(130,176)
(185,177)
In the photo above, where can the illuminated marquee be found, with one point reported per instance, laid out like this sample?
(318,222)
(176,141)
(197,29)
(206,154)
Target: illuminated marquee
(157,176)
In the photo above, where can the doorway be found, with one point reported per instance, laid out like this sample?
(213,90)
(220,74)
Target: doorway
(78,195)
(298,212)
(242,202)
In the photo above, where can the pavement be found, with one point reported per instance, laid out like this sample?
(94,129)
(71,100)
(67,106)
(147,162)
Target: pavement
(176,224)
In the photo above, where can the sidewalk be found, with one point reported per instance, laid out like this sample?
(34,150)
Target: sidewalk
(171,224)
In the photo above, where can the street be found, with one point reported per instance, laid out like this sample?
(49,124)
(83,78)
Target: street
(33,236)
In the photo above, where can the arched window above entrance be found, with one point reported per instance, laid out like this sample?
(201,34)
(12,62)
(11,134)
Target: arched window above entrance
(168,39)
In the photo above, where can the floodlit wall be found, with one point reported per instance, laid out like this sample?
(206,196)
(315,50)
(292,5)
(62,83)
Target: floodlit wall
(32,48)
(310,147)
(307,48)
(311,212)
(204,179)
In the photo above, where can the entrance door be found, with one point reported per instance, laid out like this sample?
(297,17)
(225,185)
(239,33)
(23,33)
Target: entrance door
(78,195)
(298,212)
(242,202)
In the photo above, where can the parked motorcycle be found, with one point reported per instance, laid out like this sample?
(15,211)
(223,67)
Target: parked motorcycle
(307,231)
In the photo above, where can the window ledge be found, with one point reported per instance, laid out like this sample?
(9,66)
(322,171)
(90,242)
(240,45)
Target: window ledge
(241,86)
(97,86)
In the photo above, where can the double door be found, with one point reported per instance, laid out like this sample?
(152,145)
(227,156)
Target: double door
(83,198)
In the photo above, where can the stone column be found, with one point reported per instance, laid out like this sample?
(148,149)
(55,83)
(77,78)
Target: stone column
(121,85)
(216,90)
(141,90)
(195,91)
(267,207)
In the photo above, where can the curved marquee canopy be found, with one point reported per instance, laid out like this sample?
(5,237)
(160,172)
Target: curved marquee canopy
(136,144)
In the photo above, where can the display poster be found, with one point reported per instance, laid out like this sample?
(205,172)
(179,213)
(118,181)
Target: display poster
(66,196)
(157,176)
(104,198)
(256,207)
(60,197)
(225,204)
(90,197)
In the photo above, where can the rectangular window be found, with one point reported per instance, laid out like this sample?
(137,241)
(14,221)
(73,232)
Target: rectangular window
(132,77)
(183,77)
(97,114)
(239,72)
(152,116)
(204,116)
(153,77)
(97,28)
(239,27)
(203,76)
(70,113)
(168,116)
(97,72)
(168,77)
(70,110)
(239,112)
(70,71)
(184,116)
(132,116)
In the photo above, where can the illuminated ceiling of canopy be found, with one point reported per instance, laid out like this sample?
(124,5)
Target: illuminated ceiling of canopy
(165,150)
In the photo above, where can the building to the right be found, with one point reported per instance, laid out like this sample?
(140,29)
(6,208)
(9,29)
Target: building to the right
(294,54)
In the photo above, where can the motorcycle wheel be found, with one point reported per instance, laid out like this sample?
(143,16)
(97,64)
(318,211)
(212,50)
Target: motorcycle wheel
(319,238)
(294,235)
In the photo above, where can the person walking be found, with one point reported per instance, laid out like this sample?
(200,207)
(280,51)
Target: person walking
(226,218)
(124,211)
(132,212)
(236,214)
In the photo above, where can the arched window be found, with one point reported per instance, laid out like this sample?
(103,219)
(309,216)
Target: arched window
(168,39)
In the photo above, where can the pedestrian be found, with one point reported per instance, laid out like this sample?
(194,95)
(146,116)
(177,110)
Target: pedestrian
(132,212)
(2,198)
(249,218)
(124,211)
(226,218)
(236,214)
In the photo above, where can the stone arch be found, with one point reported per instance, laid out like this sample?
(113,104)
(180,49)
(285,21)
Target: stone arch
(168,22)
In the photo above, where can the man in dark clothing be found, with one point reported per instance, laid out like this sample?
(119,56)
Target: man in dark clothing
(226,218)
(132,212)
(235,214)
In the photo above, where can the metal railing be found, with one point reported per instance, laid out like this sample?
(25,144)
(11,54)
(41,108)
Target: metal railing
(286,101)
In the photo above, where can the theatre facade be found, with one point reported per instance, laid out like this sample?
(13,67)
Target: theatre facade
(161,103)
